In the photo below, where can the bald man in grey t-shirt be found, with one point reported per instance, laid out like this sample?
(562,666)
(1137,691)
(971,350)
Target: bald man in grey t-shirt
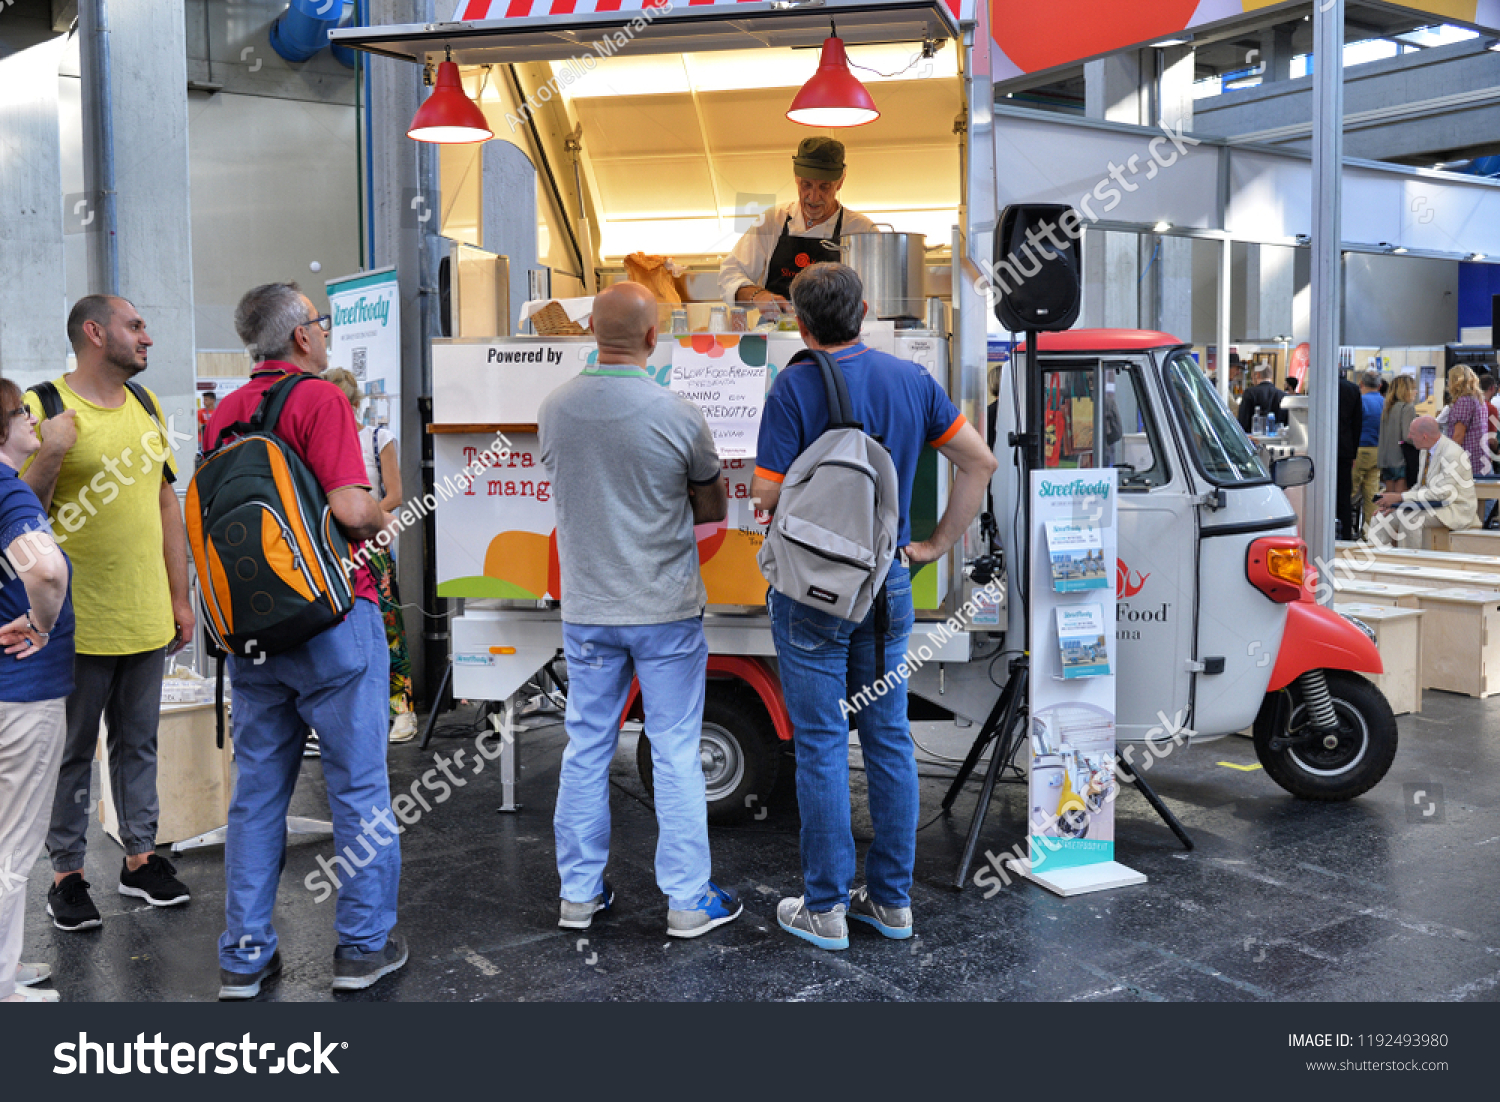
(633,469)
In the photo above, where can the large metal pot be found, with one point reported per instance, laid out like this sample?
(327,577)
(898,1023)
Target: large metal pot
(893,267)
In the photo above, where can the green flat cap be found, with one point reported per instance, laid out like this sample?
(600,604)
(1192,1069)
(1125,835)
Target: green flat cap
(819,159)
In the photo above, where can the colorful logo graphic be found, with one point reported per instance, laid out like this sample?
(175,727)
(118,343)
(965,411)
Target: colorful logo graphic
(1125,585)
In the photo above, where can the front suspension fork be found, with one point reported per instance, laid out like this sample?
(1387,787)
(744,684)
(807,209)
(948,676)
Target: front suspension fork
(1322,722)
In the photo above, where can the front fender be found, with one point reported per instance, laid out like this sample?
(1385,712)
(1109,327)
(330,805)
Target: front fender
(1318,638)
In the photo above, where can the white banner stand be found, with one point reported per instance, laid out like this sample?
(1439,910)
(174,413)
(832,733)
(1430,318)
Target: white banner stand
(1072,780)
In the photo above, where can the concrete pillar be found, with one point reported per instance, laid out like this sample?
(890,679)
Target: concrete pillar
(1268,284)
(1145,282)
(1114,86)
(403,185)
(1275,53)
(147,102)
(507,194)
(33,346)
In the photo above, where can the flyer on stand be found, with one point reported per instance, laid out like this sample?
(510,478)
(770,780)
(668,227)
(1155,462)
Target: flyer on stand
(1080,637)
(1077,553)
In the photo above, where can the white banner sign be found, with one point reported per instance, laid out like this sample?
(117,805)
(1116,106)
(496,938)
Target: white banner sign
(366,340)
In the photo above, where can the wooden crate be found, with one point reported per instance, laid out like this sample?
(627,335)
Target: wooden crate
(1375,593)
(1461,641)
(192,775)
(1398,637)
(1477,541)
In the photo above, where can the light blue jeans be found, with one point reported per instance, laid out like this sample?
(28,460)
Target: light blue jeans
(336,682)
(825,660)
(670,660)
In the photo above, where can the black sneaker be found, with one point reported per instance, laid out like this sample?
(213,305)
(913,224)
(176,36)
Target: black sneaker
(70,906)
(156,882)
(243,985)
(354,969)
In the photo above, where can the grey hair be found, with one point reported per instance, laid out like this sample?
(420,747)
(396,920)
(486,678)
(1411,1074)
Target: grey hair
(1262,371)
(1370,379)
(829,298)
(266,318)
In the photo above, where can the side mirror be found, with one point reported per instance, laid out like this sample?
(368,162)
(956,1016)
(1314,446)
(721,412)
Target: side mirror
(1294,470)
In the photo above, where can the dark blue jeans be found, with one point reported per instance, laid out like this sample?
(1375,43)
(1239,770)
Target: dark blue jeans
(829,681)
(336,682)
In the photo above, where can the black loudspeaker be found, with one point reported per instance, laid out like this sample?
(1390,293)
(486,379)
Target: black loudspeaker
(1036,275)
(1495,321)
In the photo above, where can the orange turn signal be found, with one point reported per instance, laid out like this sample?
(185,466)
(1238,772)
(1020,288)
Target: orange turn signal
(502,650)
(1277,566)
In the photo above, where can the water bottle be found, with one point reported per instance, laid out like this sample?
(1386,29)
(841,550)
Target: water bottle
(1270,424)
(1258,424)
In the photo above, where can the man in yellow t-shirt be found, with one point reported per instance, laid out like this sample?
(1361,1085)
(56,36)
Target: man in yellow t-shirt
(105,474)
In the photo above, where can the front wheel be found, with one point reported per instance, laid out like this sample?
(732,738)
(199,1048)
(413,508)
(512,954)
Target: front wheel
(1332,766)
(740,753)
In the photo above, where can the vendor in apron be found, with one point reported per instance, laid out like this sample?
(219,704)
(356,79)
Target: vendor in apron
(788,238)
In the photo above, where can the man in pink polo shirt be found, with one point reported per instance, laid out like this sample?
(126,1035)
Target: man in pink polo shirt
(335,682)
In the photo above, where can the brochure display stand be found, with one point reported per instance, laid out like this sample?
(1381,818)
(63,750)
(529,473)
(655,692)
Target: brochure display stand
(1071,733)
(1066,562)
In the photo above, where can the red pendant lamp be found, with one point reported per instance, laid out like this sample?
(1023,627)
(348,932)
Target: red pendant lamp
(833,97)
(449,116)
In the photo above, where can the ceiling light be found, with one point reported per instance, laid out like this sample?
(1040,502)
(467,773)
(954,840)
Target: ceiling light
(1173,40)
(449,116)
(832,97)
(1493,45)
(1161,227)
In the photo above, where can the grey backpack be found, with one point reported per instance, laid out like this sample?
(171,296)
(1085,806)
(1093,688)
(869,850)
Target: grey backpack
(833,537)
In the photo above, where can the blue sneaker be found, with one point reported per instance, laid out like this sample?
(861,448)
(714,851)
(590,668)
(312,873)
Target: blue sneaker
(826,929)
(715,908)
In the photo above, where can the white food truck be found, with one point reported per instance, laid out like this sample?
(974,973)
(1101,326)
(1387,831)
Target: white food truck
(1217,630)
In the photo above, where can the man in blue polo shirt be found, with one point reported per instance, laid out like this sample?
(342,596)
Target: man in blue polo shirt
(825,660)
(1367,461)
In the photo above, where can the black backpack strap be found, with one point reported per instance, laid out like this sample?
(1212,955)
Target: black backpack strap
(50,397)
(268,412)
(219,704)
(835,389)
(274,401)
(145,400)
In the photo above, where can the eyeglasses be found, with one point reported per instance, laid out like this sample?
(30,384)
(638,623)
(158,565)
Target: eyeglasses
(22,412)
(322,321)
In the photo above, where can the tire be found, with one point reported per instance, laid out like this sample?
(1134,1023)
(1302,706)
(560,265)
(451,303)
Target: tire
(1366,742)
(740,751)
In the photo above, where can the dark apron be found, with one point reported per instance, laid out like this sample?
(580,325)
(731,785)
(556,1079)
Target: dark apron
(793,253)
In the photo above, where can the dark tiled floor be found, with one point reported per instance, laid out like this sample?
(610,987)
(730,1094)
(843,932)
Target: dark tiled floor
(1281,899)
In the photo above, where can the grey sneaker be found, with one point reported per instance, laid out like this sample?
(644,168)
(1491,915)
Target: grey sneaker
(354,969)
(580,916)
(893,922)
(826,930)
(235,986)
(715,908)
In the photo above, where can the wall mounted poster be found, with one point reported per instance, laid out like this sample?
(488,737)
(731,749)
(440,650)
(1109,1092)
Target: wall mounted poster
(1071,832)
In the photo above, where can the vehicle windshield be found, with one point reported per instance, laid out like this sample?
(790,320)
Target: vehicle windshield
(1223,452)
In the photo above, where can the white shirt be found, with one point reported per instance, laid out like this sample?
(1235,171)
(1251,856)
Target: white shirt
(751,256)
(372,441)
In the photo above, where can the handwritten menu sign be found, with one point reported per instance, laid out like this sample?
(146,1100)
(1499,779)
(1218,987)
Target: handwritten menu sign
(724,375)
